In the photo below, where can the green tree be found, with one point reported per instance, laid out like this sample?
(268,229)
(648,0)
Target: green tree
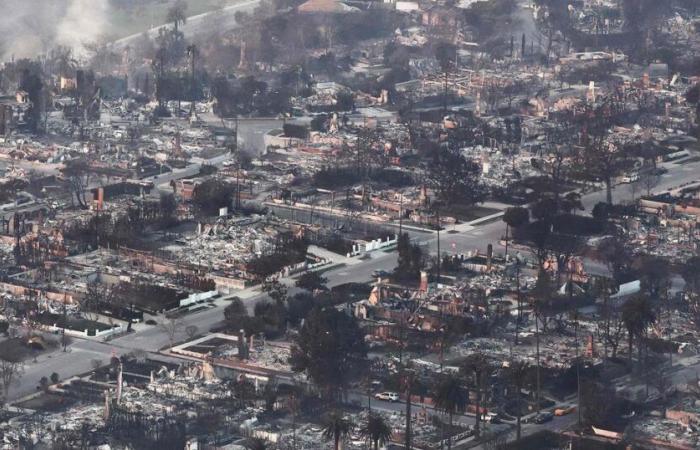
(517,374)
(454,178)
(616,256)
(167,209)
(597,402)
(599,160)
(477,367)
(450,398)
(336,427)
(211,195)
(299,306)
(237,318)
(177,14)
(376,430)
(410,260)
(637,314)
(275,290)
(515,218)
(690,271)
(273,316)
(44,384)
(654,273)
(311,281)
(330,348)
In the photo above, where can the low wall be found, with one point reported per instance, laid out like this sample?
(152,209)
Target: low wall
(197,297)
(84,334)
(371,246)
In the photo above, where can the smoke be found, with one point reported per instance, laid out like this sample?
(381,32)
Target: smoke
(33,27)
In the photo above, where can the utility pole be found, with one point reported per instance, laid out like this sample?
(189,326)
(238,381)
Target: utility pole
(578,362)
(238,185)
(294,421)
(409,380)
(65,320)
(518,318)
(400,214)
(131,314)
(333,205)
(161,75)
(437,212)
(444,95)
(192,50)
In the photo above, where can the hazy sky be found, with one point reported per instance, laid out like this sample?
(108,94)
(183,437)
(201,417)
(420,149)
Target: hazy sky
(31,27)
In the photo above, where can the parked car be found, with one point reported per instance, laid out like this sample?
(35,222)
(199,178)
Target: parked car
(387,396)
(543,417)
(631,178)
(492,418)
(380,274)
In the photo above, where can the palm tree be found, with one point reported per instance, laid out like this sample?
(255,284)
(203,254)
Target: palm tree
(177,14)
(542,295)
(336,427)
(450,398)
(517,373)
(477,365)
(637,314)
(376,430)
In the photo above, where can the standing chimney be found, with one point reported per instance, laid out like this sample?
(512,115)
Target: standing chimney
(423,281)
(108,401)
(120,383)
(242,345)
(489,257)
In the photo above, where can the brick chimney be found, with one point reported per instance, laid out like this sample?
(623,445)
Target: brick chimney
(423,281)
(489,257)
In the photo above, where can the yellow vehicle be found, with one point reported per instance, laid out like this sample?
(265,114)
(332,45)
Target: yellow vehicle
(564,411)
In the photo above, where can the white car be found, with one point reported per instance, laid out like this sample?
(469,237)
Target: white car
(387,396)
(632,178)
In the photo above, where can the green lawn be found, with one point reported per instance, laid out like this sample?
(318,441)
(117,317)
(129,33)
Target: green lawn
(126,23)
(467,213)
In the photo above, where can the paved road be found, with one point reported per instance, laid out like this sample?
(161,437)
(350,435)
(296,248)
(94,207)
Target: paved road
(78,359)
(481,236)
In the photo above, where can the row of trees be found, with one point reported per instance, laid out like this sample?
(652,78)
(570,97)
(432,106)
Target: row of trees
(125,230)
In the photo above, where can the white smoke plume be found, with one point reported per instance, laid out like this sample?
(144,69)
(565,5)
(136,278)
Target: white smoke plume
(33,27)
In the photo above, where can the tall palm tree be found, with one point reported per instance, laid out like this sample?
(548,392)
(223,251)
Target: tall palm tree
(477,366)
(637,314)
(336,427)
(177,14)
(450,398)
(376,430)
(517,373)
(541,298)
